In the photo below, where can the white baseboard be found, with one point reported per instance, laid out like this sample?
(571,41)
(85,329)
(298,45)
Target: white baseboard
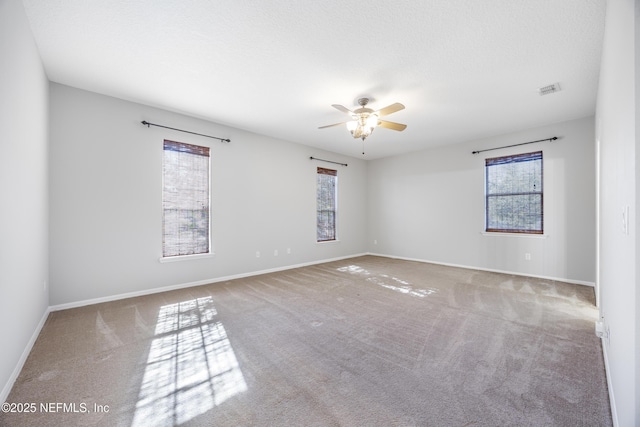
(492,270)
(109,298)
(612,400)
(99,300)
(23,358)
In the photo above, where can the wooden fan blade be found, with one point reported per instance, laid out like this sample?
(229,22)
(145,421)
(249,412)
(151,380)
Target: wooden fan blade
(390,109)
(342,108)
(391,125)
(335,124)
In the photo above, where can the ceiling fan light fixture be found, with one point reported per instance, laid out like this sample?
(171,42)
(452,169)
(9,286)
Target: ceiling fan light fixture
(364,120)
(372,121)
(363,125)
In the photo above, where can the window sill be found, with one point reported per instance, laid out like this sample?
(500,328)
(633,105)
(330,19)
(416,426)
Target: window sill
(525,235)
(185,257)
(324,242)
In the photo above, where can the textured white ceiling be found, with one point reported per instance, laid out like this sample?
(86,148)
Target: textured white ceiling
(464,69)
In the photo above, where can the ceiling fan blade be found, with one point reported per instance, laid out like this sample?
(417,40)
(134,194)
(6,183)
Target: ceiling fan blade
(390,109)
(391,125)
(335,124)
(342,108)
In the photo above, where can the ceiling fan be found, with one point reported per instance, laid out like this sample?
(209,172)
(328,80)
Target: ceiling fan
(365,120)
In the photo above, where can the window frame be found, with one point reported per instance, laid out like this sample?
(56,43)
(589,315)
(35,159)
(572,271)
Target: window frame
(194,149)
(511,159)
(327,172)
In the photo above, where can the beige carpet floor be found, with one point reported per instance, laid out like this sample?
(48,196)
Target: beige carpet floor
(367,341)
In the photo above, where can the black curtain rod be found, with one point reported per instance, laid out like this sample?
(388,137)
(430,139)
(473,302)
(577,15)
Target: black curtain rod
(328,161)
(146,123)
(515,145)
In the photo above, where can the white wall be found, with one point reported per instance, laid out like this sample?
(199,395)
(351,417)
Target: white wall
(429,205)
(23,189)
(618,136)
(106,192)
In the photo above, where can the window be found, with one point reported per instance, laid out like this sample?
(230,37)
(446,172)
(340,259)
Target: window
(185,199)
(326,204)
(513,194)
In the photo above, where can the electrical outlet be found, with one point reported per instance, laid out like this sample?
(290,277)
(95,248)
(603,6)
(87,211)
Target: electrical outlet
(45,285)
(527,256)
(257,254)
(288,251)
(375,242)
(275,252)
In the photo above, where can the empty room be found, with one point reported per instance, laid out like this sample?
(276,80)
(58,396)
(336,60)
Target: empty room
(319,213)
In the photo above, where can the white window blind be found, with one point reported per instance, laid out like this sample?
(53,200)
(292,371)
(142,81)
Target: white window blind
(185,199)
(326,204)
(514,196)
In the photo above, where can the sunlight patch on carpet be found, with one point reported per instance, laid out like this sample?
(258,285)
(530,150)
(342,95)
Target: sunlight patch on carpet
(389,282)
(191,366)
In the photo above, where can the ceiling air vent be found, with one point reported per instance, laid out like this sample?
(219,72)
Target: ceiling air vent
(546,90)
